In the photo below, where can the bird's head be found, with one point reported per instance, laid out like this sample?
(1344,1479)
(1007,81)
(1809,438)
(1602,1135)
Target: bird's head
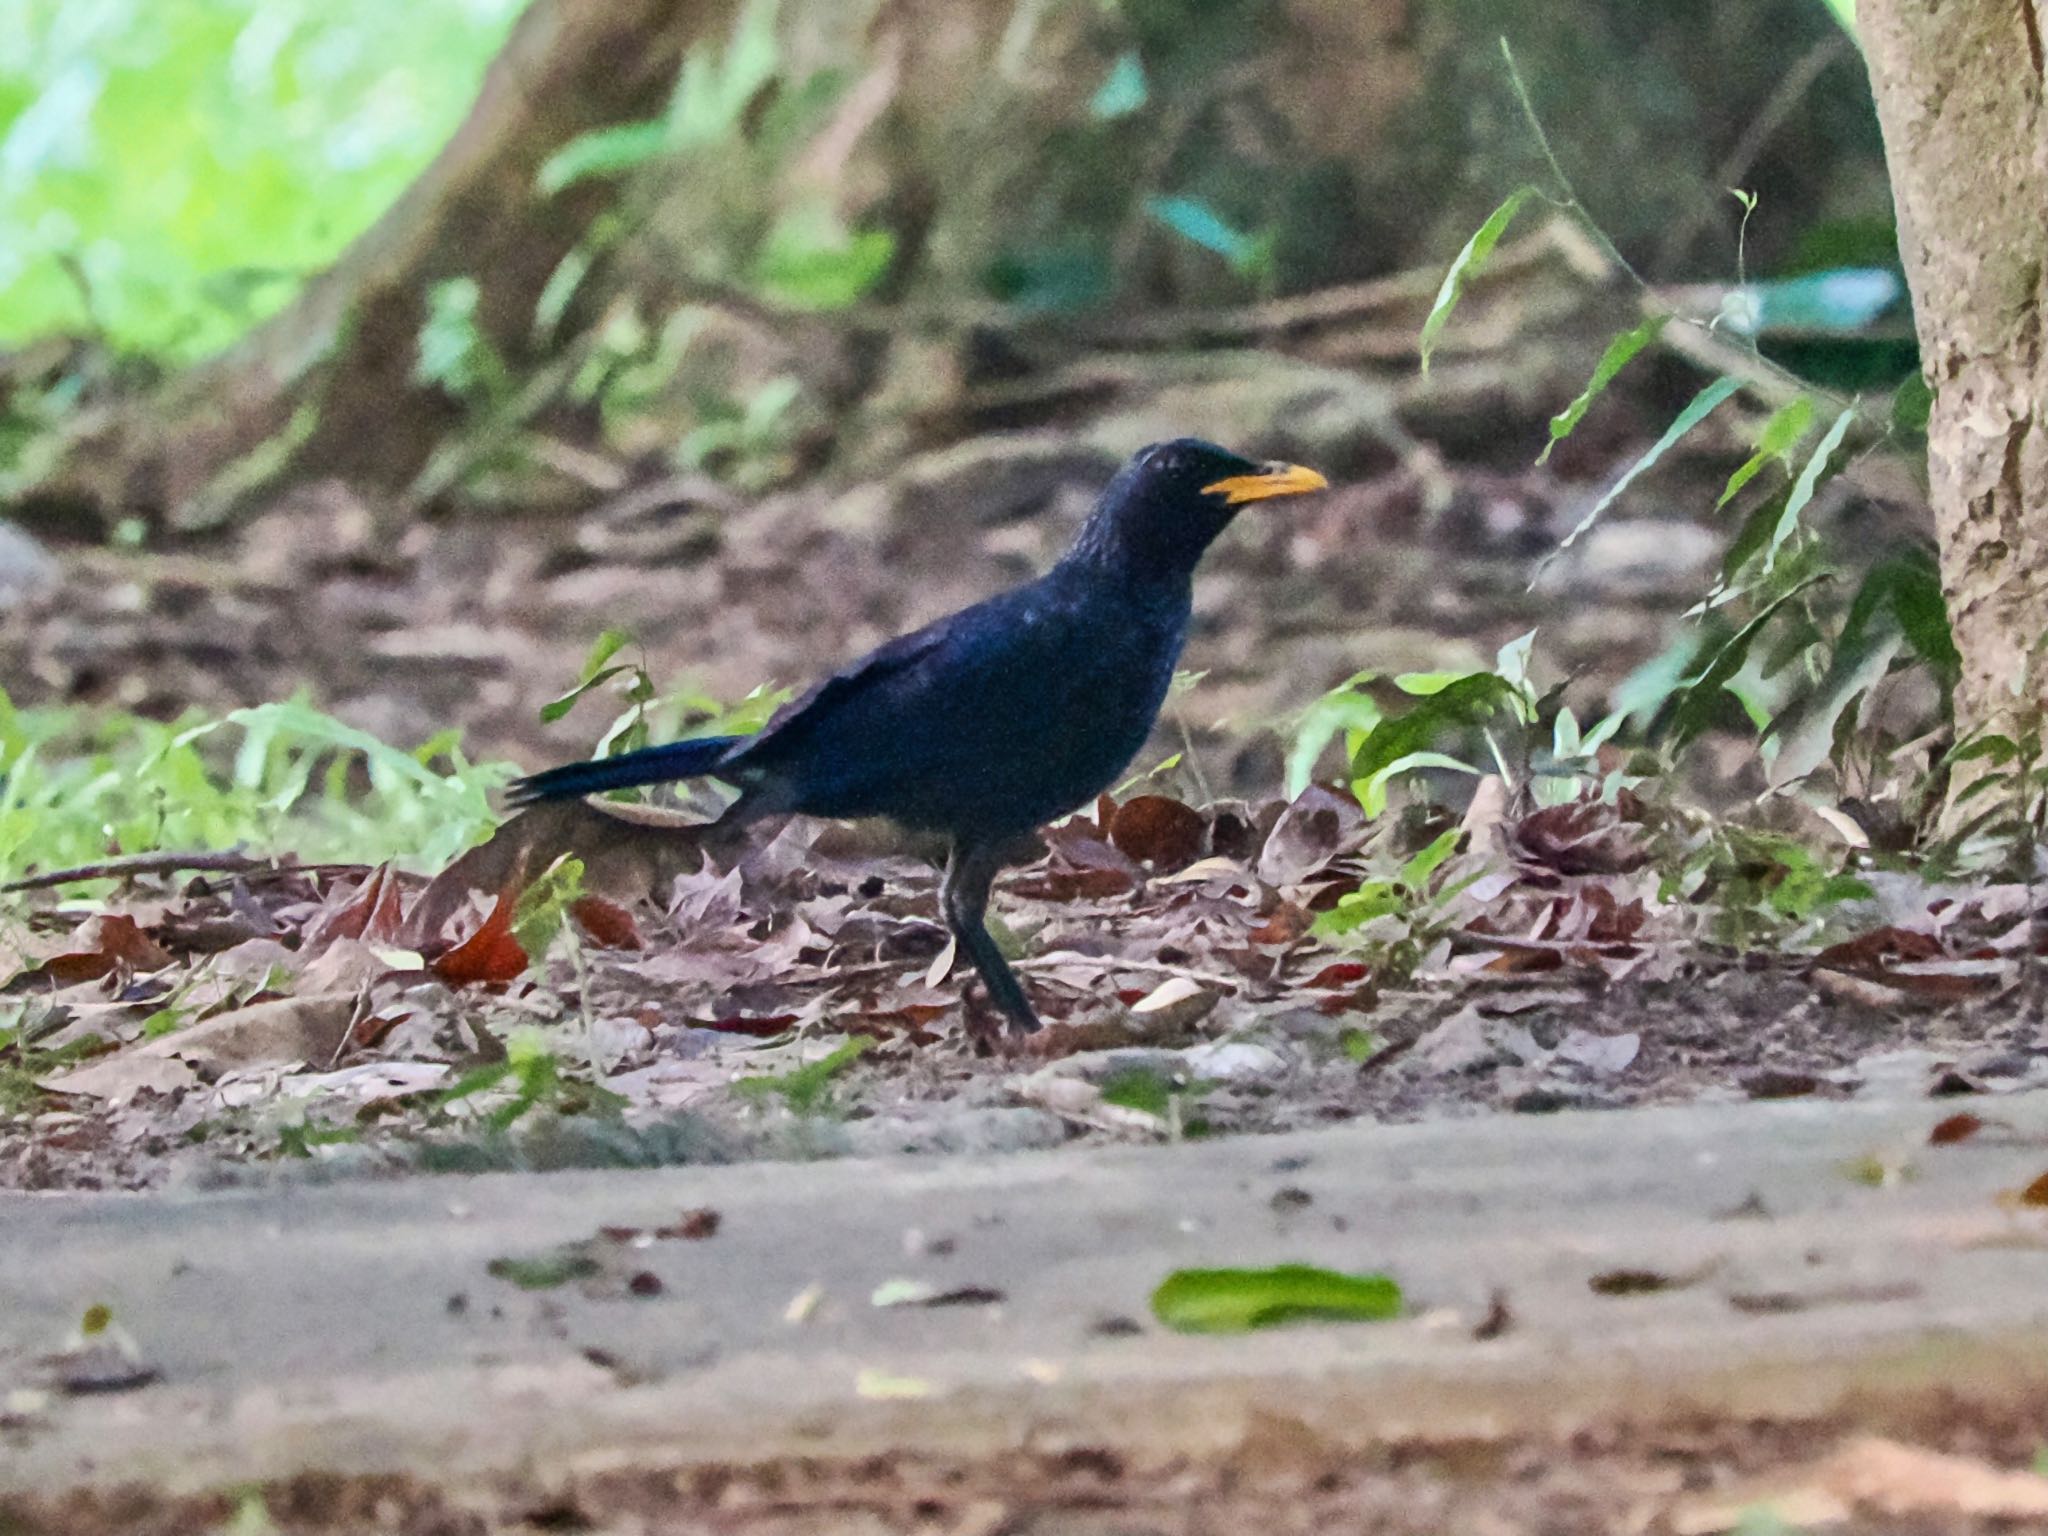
(1168,504)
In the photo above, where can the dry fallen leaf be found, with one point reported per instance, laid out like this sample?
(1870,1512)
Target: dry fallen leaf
(1159,831)
(1954,1129)
(1585,837)
(101,945)
(1316,828)
(490,956)
(1174,1004)
(286,1029)
(606,924)
(370,912)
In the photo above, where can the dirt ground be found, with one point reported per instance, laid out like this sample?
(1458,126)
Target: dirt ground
(1684,1477)
(1548,995)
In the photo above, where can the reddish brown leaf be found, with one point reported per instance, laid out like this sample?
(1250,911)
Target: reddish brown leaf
(1586,837)
(1340,973)
(763,1025)
(101,945)
(369,912)
(606,924)
(1954,1129)
(1871,950)
(1286,923)
(1079,867)
(692,1226)
(2036,1193)
(1158,830)
(489,956)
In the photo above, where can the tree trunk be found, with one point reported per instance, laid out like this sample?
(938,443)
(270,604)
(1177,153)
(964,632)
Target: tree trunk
(1959,86)
(329,381)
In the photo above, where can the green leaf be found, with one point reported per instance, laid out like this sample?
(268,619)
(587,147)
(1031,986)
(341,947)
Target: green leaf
(545,1271)
(1195,221)
(714,91)
(1360,1045)
(1238,1300)
(811,261)
(537,915)
(1788,424)
(1417,870)
(1342,709)
(1912,404)
(1695,412)
(1804,735)
(454,354)
(1511,661)
(1148,1090)
(806,1089)
(594,675)
(1123,90)
(608,645)
(473,1082)
(1999,749)
(1906,588)
(1354,909)
(1843,11)
(1466,266)
(1750,541)
(1619,354)
(1372,790)
(1400,740)
(1699,697)
(609,151)
(1808,482)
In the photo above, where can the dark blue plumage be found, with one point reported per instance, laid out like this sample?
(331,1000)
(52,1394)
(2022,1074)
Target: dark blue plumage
(998,718)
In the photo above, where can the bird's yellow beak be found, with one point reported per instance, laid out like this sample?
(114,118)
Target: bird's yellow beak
(1273,480)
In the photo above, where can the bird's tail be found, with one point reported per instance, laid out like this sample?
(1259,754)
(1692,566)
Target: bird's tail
(650,765)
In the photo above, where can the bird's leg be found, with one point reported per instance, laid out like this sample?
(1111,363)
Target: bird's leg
(963,897)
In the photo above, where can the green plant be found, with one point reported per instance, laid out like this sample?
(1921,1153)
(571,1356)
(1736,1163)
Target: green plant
(1794,640)
(2001,808)
(286,777)
(24,1060)
(1394,919)
(538,1080)
(649,714)
(739,115)
(1396,728)
(808,1089)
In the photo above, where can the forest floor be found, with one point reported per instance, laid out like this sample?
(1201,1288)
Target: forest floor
(325,1013)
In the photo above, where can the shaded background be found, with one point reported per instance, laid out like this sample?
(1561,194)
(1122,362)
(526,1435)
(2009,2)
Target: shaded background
(763,331)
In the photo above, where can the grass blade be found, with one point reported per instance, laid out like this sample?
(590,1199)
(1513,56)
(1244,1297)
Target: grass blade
(1620,352)
(1808,482)
(1467,264)
(1781,434)
(1696,411)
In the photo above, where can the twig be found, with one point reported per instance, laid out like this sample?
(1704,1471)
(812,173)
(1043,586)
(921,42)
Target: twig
(1777,108)
(1570,200)
(127,866)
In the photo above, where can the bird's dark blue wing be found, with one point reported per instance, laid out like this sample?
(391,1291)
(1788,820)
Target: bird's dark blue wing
(986,723)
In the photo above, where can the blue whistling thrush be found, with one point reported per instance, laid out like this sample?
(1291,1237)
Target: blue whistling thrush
(994,720)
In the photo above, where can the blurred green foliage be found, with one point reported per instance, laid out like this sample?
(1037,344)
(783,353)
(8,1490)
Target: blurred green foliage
(279,778)
(169,170)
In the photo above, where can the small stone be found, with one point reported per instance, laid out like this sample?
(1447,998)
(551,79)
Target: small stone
(1234,1061)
